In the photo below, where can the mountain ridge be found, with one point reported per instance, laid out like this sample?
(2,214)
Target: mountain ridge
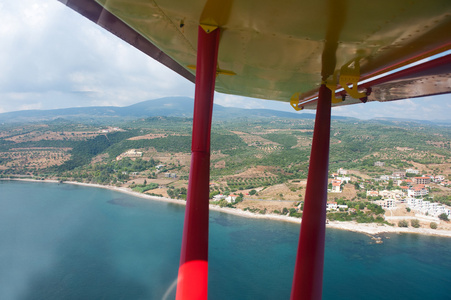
(168,107)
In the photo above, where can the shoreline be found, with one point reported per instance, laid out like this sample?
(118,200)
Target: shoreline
(364,228)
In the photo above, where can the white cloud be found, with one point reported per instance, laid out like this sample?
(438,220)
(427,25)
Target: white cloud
(52,55)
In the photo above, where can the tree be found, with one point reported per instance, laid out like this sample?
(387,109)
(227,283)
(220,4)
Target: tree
(222,203)
(357,186)
(433,225)
(239,198)
(390,184)
(415,223)
(252,192)
(443,217)
(212,194)
(403,223)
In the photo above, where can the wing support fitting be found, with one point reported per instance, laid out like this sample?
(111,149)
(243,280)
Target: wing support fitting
(294,102)
(351,76)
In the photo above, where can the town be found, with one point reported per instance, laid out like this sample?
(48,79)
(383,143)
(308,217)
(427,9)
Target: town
(402,191)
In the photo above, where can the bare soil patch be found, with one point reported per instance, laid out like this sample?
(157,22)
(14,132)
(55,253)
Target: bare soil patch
(149,136)
(35,158)
(270,206)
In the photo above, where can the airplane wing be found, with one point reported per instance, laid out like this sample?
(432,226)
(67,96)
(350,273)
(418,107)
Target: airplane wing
(284,50)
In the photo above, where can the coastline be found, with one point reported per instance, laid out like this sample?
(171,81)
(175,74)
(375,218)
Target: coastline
(365,228)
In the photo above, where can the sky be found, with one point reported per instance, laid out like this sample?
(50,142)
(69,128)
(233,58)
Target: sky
(52,57)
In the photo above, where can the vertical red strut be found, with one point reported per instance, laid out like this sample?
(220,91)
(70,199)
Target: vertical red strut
(308,271)
(193,271)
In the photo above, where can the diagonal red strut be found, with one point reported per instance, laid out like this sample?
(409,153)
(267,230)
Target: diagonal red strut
(308,272)
(192,282)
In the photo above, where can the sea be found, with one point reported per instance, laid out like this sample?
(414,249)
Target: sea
(63,241)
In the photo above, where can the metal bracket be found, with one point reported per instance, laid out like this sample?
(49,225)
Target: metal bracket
(294,102)
(351,76)
(208,28)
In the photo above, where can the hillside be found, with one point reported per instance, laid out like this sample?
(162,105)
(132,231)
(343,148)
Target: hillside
(264,158)
(280,146)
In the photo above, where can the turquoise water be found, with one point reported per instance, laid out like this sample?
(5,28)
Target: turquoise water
(60,241)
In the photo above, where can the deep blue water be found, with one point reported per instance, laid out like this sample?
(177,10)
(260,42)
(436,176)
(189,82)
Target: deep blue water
(60,241)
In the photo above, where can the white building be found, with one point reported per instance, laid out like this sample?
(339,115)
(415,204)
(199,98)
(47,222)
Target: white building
(414,202)
(342,171)
(219,197)
(417,191)
(394,194)
(335,206)
(399,174)
(372,193)
(230,199)
(439,178)
(441,209)
(344,179)
(331,206)
(385,193)
(130,153)
(336,187)
(427,207)
(387,203)
(412,171)
(422,180)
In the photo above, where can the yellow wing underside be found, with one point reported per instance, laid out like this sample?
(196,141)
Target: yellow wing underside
(274,49)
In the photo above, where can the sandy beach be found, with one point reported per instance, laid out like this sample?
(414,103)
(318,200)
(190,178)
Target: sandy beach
(365,228)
